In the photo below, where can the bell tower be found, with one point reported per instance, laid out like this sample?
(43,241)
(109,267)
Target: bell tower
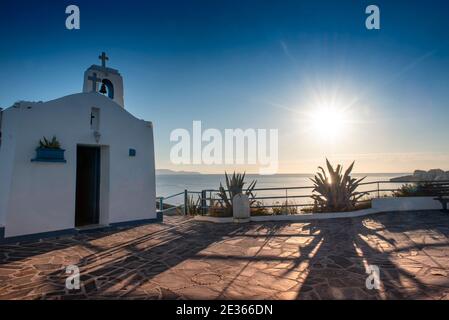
(104,80)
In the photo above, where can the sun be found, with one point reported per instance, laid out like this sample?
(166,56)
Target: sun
(328,121)
(326,115)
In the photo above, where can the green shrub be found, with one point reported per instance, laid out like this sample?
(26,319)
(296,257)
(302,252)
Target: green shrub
(286,207)
(257,209)
(418,189)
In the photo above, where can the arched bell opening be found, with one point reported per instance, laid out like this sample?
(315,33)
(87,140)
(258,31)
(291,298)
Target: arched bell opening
(107,88)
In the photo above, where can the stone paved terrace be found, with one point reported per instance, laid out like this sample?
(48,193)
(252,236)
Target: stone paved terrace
(184,259)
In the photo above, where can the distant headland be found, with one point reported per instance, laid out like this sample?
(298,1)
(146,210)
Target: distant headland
(422,175)
(168,171)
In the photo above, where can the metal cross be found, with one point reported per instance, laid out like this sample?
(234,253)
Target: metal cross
(92,117)
(103,59)
(94,80)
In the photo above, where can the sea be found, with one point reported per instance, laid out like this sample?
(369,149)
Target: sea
(169,184)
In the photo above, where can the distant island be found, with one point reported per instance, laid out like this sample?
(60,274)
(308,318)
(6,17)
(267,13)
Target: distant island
(168,171)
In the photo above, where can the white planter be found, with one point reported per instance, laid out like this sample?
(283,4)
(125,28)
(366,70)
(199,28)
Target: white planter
(295,217)
(240,208)
(378,206)
(406,204)
(315,216)
(214,219)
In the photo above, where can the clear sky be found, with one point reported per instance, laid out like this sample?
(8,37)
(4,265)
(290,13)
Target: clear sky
(253,64)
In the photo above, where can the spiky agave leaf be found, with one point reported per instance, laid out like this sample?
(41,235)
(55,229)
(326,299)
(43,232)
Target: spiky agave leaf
(336,192)
(49,144)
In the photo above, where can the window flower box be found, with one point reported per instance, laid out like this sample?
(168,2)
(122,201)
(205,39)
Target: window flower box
(49,151)
(49,155)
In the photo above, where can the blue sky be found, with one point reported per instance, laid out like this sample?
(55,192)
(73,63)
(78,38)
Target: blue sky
(251,64)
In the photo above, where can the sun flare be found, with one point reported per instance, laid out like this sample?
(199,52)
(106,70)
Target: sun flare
(328,122)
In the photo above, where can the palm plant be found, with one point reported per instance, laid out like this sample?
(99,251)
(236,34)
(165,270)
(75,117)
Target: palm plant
(334,191)
(234,186)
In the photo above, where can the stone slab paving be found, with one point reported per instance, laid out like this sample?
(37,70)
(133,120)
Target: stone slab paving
(186,259)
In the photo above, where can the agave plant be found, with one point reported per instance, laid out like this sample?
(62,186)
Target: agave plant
(49,144)
(234,186)
(193,206)
(334,191)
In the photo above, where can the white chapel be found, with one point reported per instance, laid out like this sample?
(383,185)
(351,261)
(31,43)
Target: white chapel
(76,162)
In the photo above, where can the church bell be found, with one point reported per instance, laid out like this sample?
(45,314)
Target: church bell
(103,88)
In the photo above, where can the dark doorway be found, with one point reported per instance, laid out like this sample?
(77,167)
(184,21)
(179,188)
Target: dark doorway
(87,208)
